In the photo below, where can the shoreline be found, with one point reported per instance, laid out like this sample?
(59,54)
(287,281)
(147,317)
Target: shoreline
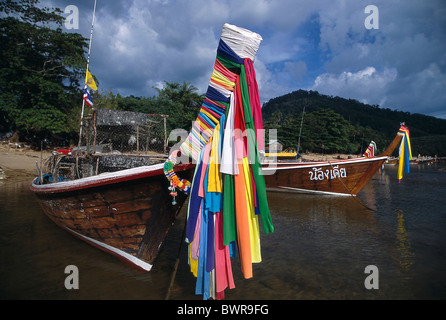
(19,164)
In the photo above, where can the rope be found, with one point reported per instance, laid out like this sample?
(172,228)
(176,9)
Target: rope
(349,191)
(177,262)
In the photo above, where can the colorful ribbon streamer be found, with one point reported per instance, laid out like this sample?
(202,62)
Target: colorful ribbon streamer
(370,152)
(405,153)
(228,191)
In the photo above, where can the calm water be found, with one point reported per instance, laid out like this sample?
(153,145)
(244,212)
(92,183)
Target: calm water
(319,250)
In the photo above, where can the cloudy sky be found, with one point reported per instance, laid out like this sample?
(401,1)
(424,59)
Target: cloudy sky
(310,45)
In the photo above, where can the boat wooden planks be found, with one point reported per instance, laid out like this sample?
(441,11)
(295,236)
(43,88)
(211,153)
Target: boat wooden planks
(130,215)
(338,177)
(341,177)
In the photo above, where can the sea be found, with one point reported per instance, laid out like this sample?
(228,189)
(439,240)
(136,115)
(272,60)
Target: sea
(388,243)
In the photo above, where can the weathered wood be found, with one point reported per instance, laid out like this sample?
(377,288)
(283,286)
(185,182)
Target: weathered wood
(129,212)
(323,176)
(337,176)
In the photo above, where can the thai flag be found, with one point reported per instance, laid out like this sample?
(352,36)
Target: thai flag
(87,97)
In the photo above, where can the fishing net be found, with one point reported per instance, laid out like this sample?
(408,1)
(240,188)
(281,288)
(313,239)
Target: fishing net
(114,131)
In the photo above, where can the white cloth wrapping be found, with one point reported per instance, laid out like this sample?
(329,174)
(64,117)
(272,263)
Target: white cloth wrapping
(243,42)
(228,155)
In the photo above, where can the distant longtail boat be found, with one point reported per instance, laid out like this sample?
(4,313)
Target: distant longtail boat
(336,177)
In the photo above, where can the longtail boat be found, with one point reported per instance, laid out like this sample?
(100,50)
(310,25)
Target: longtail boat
(125,204)
(119,202)
(337,177)
(127,213)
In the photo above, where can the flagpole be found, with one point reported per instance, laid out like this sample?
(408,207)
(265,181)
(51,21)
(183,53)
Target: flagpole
(88,63)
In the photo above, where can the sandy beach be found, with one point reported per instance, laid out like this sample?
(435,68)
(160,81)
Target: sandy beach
(19,163)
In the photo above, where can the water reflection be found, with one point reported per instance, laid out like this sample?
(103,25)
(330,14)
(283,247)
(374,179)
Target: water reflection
(34,253)
(319,249)
(406,255)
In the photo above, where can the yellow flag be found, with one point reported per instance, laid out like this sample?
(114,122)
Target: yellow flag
(90,81)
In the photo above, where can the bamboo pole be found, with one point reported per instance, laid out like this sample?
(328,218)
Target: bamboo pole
(88,63)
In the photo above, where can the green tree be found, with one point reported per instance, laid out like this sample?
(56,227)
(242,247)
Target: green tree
(178,101)
(106,100)
(322,130)
(181,102)
(40,69)
(329,131)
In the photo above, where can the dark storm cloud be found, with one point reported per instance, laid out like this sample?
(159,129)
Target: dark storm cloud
(318,45)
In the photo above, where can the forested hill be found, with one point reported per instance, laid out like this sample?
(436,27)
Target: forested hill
(359,121)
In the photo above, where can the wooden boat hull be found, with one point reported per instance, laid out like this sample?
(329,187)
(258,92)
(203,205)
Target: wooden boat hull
(126,213)
(341,177)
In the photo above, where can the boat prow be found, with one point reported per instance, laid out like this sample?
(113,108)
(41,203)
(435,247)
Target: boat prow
(337,177)
(127,213)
